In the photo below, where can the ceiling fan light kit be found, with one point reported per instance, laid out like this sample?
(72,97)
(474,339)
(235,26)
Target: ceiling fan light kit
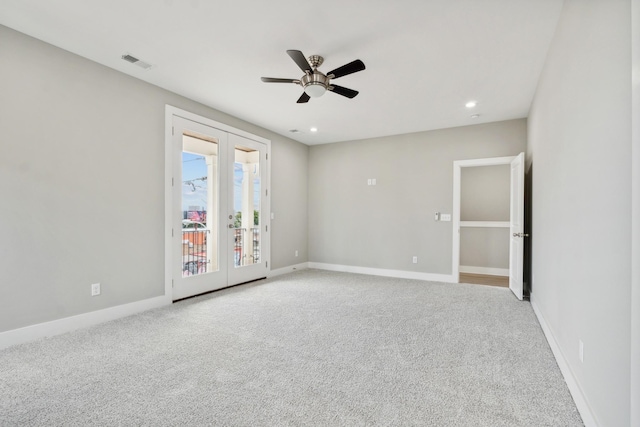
(316,83)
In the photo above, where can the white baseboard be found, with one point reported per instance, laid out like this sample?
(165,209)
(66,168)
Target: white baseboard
(484,270)
(579,398)
(401,274)
(68,324)
(288,269)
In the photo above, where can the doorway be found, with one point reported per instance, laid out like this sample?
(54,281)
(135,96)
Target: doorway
(217,205)
(499,223)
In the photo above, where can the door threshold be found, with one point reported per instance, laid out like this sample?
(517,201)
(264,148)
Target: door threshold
(221,289)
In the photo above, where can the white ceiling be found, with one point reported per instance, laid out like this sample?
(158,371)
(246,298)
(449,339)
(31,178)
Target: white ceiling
(425,58)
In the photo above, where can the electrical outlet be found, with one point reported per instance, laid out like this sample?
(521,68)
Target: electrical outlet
(369,181)
(296,252)
(445,217)
(373,181)
(95,289)
(581,351)
(415,259)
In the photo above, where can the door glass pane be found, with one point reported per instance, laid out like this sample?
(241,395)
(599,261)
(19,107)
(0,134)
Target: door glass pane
(200,205)
(246,206)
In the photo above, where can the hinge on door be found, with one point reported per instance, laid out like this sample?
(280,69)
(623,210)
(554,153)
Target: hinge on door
(266,192)
(267,156)
(266,228)
(172,232)
(172,181)
(266,264)
(173,130)
(172,283)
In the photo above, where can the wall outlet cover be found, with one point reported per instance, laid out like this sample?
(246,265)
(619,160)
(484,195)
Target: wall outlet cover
(95,289)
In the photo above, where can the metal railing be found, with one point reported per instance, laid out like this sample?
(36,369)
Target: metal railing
(195,259)
(194,252)
(240,255)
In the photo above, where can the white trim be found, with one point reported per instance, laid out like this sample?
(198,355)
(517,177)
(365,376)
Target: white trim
(80,321)
(578,395)
(485,224)
(400,274)
(490,161)
(288,269)
(168,198)
(457,173)
(491,271)
(175,111)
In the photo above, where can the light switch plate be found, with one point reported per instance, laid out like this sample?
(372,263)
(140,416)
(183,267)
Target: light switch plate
(445,217)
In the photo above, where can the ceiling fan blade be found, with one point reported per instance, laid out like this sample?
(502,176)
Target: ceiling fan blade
(303,98)
(344,91)
(300,60)
(350,68)
(275,80)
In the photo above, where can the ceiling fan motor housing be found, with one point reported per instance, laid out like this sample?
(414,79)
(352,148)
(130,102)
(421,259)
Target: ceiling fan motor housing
(315,84)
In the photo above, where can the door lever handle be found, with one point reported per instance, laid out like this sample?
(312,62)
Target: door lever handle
(520,235)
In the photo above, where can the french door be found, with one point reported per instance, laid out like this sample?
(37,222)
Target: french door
(219,208)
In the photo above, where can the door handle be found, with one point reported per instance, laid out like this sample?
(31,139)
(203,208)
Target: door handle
(231,226)
(520,235)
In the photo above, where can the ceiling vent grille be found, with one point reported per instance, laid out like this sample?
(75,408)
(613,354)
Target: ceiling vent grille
(132,59)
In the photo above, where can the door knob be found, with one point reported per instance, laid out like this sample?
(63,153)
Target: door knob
(231,226)
(520,235)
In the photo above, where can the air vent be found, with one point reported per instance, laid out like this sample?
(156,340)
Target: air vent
(132,59)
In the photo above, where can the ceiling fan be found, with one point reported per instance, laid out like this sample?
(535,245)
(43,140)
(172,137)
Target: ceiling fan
(314,82)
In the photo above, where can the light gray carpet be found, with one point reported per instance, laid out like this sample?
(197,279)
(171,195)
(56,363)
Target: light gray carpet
(309,348)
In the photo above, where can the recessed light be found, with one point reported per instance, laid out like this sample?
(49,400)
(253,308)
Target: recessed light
(314,129)
(471,104)
(475,116)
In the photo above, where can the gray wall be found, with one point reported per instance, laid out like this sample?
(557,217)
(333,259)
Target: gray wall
(579,150)
(484,247)
(635,216)
(485,193)
(81,184)
(383,226)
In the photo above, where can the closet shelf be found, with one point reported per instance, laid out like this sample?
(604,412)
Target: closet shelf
(485,224)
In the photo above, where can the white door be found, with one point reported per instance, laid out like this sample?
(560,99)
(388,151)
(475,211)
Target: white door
(219,209)
(248,210)
(199,203)
(516,247)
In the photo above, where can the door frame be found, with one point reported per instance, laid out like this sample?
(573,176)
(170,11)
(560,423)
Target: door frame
(457,174)
(170,112)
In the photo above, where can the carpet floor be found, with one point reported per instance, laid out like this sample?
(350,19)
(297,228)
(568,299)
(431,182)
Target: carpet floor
(311,348)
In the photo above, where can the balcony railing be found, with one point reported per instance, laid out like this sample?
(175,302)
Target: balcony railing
(195,259)
(240,253)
